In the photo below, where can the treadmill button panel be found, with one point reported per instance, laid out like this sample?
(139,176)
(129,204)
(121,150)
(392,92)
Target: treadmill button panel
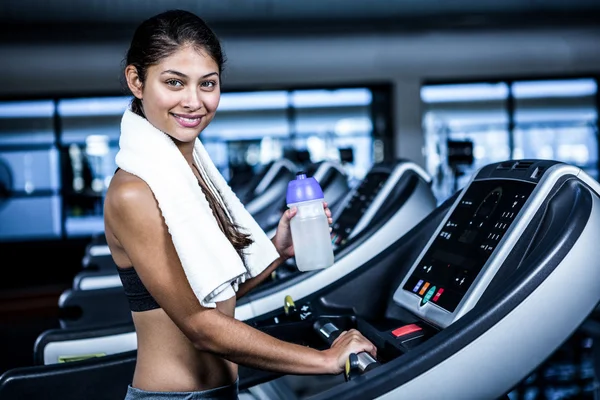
(358,204)
(466,241)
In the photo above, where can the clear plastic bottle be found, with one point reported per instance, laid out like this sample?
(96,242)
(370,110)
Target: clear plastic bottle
(310,228)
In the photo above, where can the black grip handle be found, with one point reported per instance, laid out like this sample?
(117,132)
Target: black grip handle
(327,330)
(356,363)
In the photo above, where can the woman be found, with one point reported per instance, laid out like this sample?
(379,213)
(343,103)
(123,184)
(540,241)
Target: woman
(189,345)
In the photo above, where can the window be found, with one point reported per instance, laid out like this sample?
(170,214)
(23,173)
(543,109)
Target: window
(328,120)
(30,200)
(89,142)
(557,120)
(469,112)
(62,152)
(541,119)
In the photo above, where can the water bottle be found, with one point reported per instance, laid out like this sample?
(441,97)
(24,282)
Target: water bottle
(310,228)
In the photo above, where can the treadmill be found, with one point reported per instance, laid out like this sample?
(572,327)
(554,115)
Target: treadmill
(392,199)
(510,272)
(266,176)
(266,196)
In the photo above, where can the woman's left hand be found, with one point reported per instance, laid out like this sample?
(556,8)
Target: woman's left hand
(283,235)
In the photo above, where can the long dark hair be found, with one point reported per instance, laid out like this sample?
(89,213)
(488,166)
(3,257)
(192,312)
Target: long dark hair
(159,37)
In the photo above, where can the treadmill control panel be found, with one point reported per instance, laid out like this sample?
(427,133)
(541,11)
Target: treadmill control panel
(461,249)
(357,205)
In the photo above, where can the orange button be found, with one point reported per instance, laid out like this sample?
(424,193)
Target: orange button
(424,288)
(406,329)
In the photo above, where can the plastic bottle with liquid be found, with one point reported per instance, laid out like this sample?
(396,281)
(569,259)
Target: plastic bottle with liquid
(310,228)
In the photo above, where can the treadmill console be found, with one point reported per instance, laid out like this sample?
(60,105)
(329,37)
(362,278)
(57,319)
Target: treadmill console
(356,206)
(439,282)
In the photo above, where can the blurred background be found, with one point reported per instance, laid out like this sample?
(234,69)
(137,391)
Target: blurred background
(450,85)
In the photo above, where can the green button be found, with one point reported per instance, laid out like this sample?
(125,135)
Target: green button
(429,294)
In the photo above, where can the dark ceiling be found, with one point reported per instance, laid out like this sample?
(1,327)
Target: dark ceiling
(67,20)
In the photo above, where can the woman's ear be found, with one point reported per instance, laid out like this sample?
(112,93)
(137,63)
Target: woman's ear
(133,81)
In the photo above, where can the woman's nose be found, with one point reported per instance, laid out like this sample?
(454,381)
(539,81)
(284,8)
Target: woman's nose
(192,100)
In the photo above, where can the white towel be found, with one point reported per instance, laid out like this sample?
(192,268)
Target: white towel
(213,267)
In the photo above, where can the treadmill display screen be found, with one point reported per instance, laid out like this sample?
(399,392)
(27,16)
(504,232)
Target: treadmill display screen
(467,240)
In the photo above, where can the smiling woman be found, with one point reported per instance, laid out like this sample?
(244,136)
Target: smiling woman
(181,90)
(180,95)
(185,247)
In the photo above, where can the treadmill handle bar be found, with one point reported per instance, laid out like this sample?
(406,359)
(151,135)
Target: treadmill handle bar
(356,363)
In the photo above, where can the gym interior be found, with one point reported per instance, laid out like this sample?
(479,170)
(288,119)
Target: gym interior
(456,136)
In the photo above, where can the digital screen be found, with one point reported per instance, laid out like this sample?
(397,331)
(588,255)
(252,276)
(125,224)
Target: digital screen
(467,240)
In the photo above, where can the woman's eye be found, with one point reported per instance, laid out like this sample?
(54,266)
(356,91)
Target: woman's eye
(208,84)
(174,82)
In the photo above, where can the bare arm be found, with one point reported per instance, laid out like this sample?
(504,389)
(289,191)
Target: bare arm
(136,221)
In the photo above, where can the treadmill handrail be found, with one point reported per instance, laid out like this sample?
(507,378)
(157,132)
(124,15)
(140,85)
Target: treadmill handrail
(92,280)
(324,167)
(91,379)
(272,173)
(380,198)
(54,343)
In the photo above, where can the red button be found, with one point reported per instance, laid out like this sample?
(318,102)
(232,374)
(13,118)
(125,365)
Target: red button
(406,329)
(438,294)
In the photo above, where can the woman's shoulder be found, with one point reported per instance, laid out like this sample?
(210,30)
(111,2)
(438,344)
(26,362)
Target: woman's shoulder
(128,192)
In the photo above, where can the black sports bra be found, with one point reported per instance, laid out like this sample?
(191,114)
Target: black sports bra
(138,296)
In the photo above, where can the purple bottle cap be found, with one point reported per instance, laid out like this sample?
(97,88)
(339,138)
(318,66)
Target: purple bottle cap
(303,188)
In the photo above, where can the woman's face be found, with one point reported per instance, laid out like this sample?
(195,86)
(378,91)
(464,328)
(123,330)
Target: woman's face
(181,93)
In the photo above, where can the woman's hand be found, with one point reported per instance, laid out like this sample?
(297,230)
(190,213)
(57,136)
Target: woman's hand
(350,341)
(283,235)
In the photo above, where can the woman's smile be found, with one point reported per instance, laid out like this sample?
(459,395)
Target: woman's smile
(188,121)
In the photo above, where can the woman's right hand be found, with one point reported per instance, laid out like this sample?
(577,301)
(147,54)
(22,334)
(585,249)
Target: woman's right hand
(348,342)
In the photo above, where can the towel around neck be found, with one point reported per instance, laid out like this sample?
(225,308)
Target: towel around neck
(212,266)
